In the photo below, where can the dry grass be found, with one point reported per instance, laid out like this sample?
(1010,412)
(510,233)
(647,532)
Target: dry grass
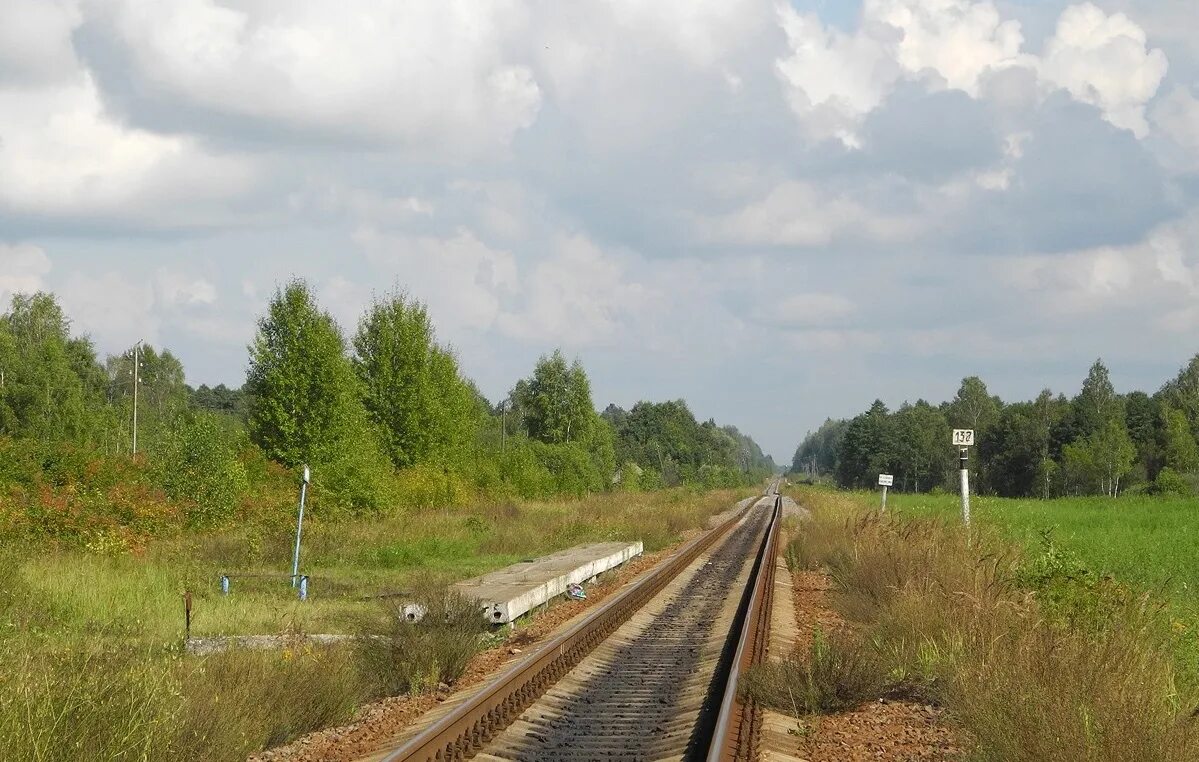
(839,672)
(90,662)
(399,656)
(947,620)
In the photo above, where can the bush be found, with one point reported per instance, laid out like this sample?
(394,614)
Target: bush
(197,462)
(399,656)
(839,673)
(1170,482)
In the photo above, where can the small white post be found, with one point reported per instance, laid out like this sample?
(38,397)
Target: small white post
(964,470)
(295,559)
(884,497)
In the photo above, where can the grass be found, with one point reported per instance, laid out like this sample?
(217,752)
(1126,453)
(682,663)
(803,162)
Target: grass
(1033,655)
(91,663)
(1146,541)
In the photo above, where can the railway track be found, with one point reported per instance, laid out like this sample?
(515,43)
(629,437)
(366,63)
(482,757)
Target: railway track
(651,674)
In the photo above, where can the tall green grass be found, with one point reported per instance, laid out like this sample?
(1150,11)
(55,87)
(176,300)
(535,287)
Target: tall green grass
(91,658)
(1149,541)
(1034,655)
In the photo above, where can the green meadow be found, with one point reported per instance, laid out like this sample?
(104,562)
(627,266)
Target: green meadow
(1147,541)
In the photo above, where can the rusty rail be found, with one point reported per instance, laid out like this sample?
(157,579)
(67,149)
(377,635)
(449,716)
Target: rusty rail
(462,733)
(735,738)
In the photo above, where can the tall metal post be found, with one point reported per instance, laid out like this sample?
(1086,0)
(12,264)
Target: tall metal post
(137,381)
(295,558)
(964,470)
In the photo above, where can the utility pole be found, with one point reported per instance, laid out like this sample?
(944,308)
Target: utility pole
(503,427)
(137,379)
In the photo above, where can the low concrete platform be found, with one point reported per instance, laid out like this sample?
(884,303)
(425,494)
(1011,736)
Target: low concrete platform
(513,591)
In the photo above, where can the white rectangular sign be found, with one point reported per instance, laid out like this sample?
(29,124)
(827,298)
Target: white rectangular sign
(886,480)
(963,437)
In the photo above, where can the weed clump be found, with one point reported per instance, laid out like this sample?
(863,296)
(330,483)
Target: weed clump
(840,672)
(399,655)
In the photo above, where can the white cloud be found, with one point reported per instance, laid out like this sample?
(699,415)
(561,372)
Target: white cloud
(1105,61)
(810,309)
(115,310)
(1158,276)
(579,296)
(174,288)
(463,280)
(833,78)
(1176,116)
(35,40)
(802,214)
(426,74)
(959,40)
(23,270)
(60,155)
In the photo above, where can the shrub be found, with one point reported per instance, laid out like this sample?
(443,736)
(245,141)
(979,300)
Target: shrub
(1170,482)
(840,672)
(197,462)
(399,656)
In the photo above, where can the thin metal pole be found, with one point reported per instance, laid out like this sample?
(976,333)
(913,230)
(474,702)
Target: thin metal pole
(295,558)
(136,384)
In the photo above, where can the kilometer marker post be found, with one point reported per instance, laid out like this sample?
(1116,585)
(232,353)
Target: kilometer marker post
(964,439)
(884,481)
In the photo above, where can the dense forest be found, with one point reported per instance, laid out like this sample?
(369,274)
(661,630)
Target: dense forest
(384,418)
(1098,442)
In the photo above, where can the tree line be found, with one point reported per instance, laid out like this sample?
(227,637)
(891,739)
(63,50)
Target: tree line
(384,418)
(1098,442)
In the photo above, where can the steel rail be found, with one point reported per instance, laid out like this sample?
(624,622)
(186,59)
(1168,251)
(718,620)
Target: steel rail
(735,737)
(464,732)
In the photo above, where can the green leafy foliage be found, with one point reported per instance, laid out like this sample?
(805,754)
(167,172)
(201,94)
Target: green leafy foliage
(197,464)
(411,386)
(1100,442)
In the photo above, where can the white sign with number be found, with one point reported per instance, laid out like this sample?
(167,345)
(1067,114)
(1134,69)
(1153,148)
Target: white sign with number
(886,480)
(963,437)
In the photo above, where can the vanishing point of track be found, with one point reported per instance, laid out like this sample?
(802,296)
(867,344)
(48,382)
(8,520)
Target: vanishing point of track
(650,674)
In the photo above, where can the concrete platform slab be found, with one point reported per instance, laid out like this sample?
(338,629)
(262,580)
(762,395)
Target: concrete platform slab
(508,593)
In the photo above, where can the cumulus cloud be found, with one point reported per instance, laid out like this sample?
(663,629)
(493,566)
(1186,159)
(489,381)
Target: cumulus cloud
(62,156)
(801,214)
(807,309)
(464,281)
(23,270)
(834,78)
(418,75)
(1176,117)
(1104,61)
(1158,276)
(578,296)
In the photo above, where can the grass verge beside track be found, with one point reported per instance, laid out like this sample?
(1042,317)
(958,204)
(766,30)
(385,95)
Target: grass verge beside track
(1033,655)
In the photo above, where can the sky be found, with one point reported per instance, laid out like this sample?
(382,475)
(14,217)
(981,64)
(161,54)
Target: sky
(778,211)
